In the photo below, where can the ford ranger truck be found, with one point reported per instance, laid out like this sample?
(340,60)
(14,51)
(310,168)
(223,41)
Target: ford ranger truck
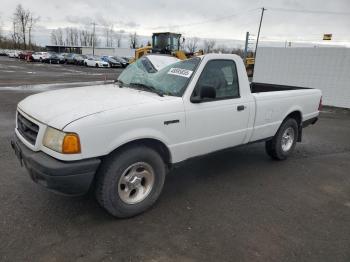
(120,139)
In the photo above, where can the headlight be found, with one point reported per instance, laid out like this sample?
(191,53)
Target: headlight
(62,142)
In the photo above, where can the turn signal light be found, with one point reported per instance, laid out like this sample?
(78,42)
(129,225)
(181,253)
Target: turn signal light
(71,144)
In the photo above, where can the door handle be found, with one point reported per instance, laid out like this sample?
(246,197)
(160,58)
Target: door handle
(240,108)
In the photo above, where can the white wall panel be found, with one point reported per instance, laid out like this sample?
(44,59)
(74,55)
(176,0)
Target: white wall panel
(327,69)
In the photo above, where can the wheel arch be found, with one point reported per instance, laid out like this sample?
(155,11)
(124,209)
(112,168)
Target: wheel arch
(153,143)
(297,115)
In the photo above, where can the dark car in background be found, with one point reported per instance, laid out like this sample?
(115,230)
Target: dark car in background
(124,63)
(79,59)
(62,58)
(111,61)
(52,58)
(69,58)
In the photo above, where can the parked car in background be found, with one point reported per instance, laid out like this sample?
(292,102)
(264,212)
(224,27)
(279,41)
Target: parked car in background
(40,56)
(26,55)
(79,59)
(124,63)
(95,62)
(22,54)
(3,52)
(52,58)
(111,61)
(69,58)
(127,59)
(13,54)
(61,57)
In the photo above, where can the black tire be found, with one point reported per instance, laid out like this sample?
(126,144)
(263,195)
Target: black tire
(274,146)
(96,65)
(111,171)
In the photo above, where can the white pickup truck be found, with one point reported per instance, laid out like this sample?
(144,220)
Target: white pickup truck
(120,139)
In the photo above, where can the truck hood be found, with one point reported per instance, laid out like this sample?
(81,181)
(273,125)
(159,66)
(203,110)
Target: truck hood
(60,107)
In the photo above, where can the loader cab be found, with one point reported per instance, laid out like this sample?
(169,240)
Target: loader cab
(165,43)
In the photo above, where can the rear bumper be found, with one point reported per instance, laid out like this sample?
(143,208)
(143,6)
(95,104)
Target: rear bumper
(68,178)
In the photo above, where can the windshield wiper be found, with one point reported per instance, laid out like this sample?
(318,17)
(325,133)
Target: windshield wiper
(149,88)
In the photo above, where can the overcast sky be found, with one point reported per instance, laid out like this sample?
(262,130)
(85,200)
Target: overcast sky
(221,19)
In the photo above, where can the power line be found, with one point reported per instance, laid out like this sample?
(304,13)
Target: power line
(308,11)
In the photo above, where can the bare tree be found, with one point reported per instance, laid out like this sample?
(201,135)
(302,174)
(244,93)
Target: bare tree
(238,51)
(85,37)
(133,40)
(15,35)
(1,36)
(75,33)
(59,34)
(118,39)
(223,49)
(53,37)
(192,44)
(21,19)
(31,23)
(72,36)
(209,45)
(109,35)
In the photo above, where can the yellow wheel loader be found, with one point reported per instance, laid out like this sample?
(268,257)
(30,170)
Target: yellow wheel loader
(165,43)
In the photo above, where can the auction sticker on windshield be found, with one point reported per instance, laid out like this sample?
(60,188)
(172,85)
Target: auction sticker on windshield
(180,72)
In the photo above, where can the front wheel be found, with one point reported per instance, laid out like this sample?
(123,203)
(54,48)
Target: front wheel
(130,182)
(283,143)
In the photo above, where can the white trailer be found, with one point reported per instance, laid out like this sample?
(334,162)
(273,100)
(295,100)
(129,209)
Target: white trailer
(325,68)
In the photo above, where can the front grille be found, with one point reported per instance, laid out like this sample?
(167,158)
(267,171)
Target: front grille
(27,128)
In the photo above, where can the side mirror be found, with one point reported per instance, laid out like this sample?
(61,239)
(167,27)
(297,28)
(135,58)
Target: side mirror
(206,92)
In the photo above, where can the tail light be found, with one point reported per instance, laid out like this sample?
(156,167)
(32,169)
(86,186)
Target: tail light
(320,104)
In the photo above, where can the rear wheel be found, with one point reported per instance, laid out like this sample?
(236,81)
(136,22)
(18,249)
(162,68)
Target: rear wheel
(96,65)
(283,143)
(129,182)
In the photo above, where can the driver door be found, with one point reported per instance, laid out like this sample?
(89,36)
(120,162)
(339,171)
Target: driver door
(219,122)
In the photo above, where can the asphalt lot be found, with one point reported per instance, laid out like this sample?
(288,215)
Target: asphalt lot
(232,206)
(14,72)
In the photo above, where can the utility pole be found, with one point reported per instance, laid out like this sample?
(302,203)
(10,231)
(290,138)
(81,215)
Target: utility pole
(93,38)
(257,39)
(246,47)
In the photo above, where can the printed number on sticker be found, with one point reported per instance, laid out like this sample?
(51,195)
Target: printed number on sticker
(180,72)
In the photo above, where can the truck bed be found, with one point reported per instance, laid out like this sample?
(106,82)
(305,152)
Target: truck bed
(265,87)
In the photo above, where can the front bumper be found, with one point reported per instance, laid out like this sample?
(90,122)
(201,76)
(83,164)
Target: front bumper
(68,178)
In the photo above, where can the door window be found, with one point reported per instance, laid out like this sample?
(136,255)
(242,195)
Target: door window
(220,75)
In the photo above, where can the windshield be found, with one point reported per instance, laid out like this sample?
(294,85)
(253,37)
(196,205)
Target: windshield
(171,80)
